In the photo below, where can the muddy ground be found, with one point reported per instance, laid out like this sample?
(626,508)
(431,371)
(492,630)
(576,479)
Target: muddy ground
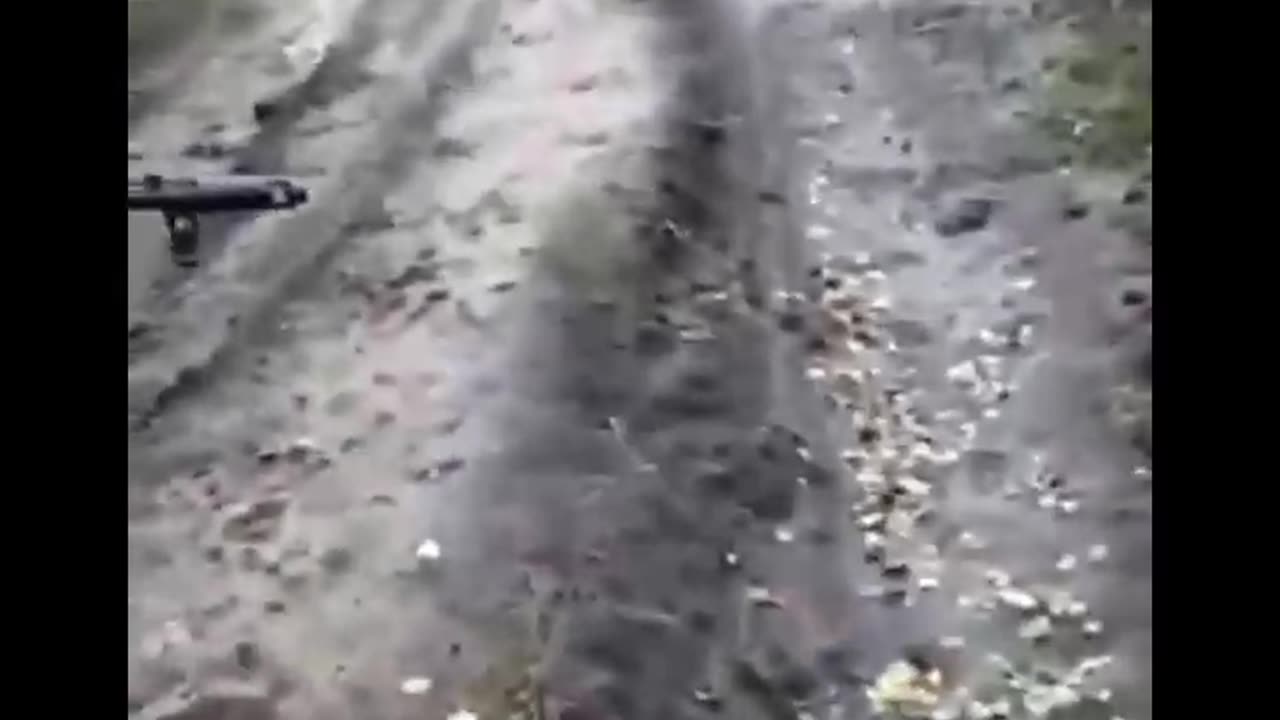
(645,359)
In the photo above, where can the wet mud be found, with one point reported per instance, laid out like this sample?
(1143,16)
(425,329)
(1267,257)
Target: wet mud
(643,359)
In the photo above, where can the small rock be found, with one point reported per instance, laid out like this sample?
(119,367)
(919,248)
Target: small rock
(760,596)
(274,607)
(586,84)
(503,286)
(247,655)
(969,215)
(1020,599)
(1075,211)
(1133,196)
(428,551)
(256,522)
(439,470)
(337,560)
(1037,628)
(383,500)
(706,697)
(772,198)
(264,111)
(416,685)
(1133,297)
(1098,553)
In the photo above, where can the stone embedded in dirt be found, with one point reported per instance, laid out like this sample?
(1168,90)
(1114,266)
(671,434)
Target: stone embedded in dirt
(382,500)
(967,216)
(791,321)
(247,655)
(772,198)
(337,560)
(274,607)
(761,596)
(1036,629)
(1133,297)
(452,148)
(585,84)
(210,150)
(428,551)
(1075,211)
(710,133)
(255,522)
(1133,196)
(439,470)
(503,286)
(1019,599)
(265,110)
(419,685)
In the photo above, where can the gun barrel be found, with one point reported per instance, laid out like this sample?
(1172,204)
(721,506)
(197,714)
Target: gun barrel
(187,196)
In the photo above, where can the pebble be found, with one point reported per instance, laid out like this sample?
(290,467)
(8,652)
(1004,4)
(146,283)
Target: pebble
(1067,563)
(416,685)
(761,596)
(248,657)
(1092,628)
(463,715)
(428,551)
(1037,628)
(1098,553)
(1020,599)
(997,578)
(784,535)
(967,216)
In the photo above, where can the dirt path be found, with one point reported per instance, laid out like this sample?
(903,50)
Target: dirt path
(638,360)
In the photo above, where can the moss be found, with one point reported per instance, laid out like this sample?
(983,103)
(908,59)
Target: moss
(1097,105)
(160,27)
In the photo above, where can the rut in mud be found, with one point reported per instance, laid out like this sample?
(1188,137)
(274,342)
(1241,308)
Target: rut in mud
(635,360)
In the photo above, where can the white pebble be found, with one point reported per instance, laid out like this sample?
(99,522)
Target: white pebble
(463,715)
(784,534)
(928,583)
(759,595)
(1069,507)
(1036,628)
(952,642)
(416,686)
(429,550)
(913,486)
(1098,553)
(731,559)
(997,578)
(1067,563)
(1047,502)
(1020,599)
(1092,628)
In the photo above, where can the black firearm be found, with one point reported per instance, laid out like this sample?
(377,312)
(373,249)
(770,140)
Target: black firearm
(183,200)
